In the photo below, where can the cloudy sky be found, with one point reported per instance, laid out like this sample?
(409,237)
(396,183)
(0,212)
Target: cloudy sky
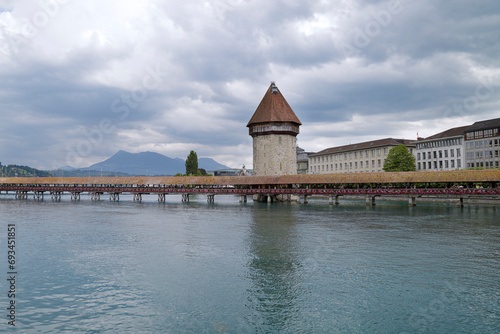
(81,80)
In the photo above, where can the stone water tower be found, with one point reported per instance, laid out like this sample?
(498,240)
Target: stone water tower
(274,128)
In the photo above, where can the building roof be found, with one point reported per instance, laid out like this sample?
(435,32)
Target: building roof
(484,125)
(366,145)
(273,108)
(453,132)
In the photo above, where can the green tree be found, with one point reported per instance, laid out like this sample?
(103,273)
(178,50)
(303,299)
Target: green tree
(399,159)
(192,163)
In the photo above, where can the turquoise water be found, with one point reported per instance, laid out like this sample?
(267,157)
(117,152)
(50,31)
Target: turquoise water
(126,267)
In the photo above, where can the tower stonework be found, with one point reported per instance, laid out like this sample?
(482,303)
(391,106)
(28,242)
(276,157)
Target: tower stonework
(274,128)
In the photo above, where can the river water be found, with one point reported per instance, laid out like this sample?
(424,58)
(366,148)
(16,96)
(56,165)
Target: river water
(230,267)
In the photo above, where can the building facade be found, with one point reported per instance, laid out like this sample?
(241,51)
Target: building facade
(355,158)
(482,144)
(302,161)
(274,128)
(442,151)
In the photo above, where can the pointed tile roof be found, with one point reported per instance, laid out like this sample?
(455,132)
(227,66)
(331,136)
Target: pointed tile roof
(273,108)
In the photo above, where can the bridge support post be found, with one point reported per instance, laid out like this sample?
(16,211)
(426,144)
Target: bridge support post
(243,198)
(161,197)
(269,199)
(305,199)
(185,197)
(75,196)
(114,197)
(330,201)
(337,202)
(460,202)
(412,201)
(210,198)
(56,195)
(370,200)
(38,195)
(95,196)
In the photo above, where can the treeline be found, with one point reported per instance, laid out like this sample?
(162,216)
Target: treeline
(22,171)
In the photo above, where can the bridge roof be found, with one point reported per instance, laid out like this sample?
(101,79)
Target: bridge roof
(491,175)
(273,108)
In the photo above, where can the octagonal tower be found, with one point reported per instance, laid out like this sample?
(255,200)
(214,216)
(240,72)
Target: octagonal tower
(274,128)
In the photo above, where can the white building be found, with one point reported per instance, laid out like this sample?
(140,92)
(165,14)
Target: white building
(355,158)
(482,144)
(442,151)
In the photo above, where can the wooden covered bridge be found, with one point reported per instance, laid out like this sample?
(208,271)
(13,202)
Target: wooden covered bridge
(446,184)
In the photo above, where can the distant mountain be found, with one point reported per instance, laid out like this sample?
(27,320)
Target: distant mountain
(149,163)
(208,164)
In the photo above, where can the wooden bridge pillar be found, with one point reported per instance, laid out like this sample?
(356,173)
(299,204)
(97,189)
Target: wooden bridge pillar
(336,199)
(114,197)
(38,195)
(185,197)
(75,196)
(460,202)
(21,194)
(56,195)
(243,198)
(95,196)
(370,200)
(137,197)
(412,201)
(161,197)
(211,198)
(305,199)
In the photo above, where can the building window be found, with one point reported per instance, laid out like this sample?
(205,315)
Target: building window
(361,163)
(418,166)
(379,163)
(435,165)
(373,163)
(435,154)
(356,165)
(446,153)
(452,153)
(418,157)
(458,152)
(378,152)
(440,154)
(429,164)
(446,164)
(361,154)
(428,155)
(385,151)
(373,153)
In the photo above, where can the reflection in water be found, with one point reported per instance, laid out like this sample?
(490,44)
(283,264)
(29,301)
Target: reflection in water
(272,269)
